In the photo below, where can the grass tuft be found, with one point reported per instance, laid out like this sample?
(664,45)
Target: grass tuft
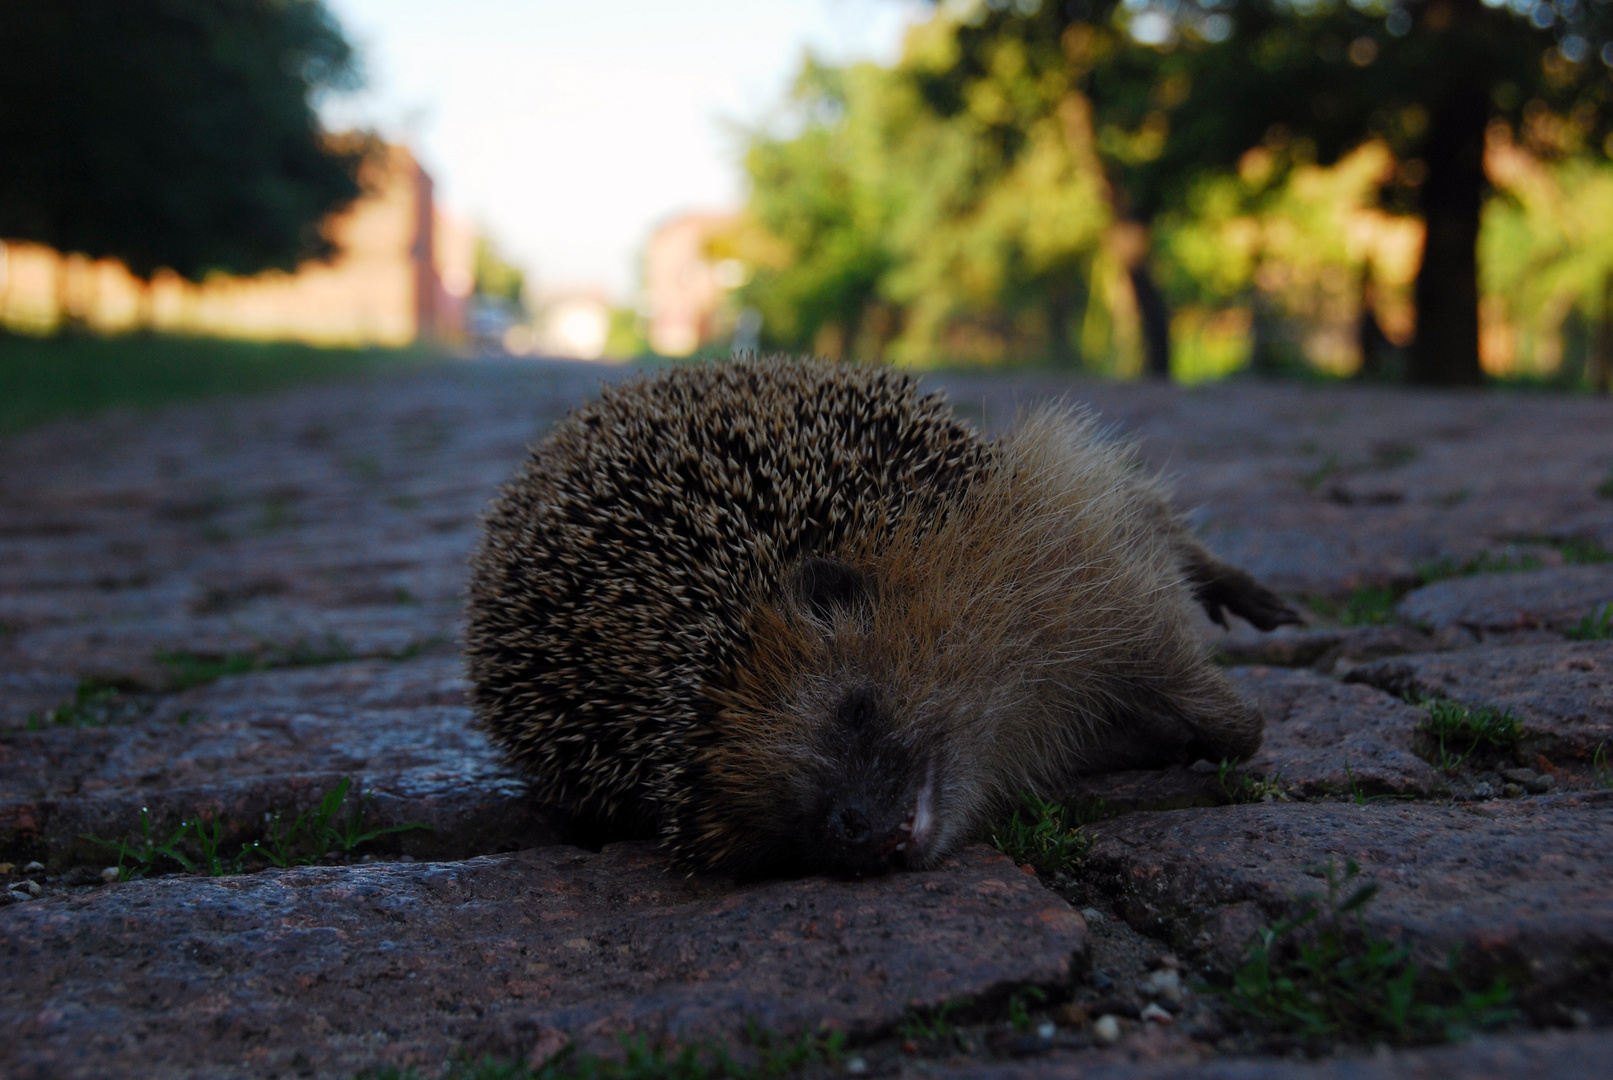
(1240,787)
(1321,975)
(94,704)
(1596,626)
(197,845)
(1449,724)
(1601,768)
(1048,835)
(768,1056)
(1367,605)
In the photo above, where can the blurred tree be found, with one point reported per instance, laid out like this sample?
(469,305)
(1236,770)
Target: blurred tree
(877,224)
(1181,86)
(498,279)
(173,133)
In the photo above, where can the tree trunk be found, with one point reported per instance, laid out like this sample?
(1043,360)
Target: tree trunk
(1156,321)
(1446,350)
(1064,303)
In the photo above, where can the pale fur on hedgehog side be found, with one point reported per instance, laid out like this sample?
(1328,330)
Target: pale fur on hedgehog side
(794,615)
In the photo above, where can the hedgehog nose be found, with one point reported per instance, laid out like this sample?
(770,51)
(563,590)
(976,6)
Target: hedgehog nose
(850,827)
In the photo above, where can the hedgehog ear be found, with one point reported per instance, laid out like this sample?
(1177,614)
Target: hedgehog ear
(824,586)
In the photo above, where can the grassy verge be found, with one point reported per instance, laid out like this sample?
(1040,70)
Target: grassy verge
(79,374)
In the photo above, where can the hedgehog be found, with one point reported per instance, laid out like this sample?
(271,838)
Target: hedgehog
(792,616)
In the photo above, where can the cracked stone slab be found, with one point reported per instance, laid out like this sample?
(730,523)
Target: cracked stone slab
(324,970)
(1552,600)
(1547,1056)
(1524,887)
(1561,693)
(1328,738)
(273,741)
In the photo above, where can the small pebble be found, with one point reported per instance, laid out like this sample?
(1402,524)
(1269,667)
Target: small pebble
(7,867)
(1483,790)
(1106,1030)
(1153,1014)
(1164,983)
(1540,784)
(110,875)
(857,1066)
(18,894)
(1512,791)
(31,887)
(1046,1030)
(1091,914)
(1519,776)
(34,868)
(406,858)
(1071,1015)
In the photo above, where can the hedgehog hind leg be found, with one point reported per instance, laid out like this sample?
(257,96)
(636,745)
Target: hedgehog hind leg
(1195,715)
(1217,586)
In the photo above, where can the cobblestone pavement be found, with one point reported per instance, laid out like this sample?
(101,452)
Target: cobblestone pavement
(227,632)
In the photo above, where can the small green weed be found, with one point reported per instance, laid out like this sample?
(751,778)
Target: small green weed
(1593,627)
(1019,1006)
(1240,787)
(1601,768)
(197,845)
(1451,724)
(316,834)
(1322,975)
(1320,475)
(1582,551)
(93,705)
(937,1025)
(188,669)
(1359,797)
(1367,605)
(773,1057)
(1048,836)
(1486,562)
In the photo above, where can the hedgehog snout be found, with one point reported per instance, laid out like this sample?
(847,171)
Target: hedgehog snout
(876,800)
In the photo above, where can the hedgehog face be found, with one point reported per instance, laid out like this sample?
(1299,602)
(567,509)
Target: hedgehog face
(817,754)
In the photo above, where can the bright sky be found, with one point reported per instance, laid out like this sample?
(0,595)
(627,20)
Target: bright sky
(569,128)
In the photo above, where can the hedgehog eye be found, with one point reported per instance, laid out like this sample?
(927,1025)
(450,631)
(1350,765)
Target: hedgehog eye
(824,586)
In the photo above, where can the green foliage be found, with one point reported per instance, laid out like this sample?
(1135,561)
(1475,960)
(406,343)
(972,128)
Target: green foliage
(1605,488)
(1601,769)
(498,279)
(1596,626)
(1049,835)
(1449,724)
(768,1056)
(174,133)
(197,845)
(1322,975)
(77,375)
